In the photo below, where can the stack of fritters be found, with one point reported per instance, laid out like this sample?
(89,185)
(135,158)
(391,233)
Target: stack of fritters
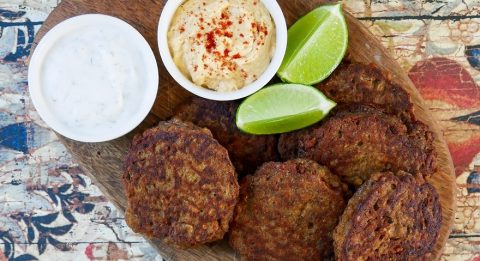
(182,187)
(372,130)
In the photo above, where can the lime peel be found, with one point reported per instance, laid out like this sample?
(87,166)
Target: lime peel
(282,108)
(317,43)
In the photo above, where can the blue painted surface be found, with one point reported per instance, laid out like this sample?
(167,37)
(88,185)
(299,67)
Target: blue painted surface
(7,14)
(473,118)
(25,36)
(15,137)
(473,182)
(473,55)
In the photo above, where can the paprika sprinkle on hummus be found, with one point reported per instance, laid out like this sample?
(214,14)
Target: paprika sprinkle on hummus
(222,45)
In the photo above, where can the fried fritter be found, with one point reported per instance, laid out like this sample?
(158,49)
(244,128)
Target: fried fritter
(391,217)
(287,211)
(247,151)
(358,142)
(354,82)
(180,185)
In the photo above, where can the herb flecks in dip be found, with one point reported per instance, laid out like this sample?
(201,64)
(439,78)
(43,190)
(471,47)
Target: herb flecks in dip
(222,45)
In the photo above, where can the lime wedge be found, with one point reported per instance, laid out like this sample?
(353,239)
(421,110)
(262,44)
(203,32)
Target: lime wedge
(316,45)
(282,108)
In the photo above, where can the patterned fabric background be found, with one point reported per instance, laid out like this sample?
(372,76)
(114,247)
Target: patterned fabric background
(49,210)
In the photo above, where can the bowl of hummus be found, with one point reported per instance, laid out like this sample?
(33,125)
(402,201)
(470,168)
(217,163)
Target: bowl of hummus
(222,49)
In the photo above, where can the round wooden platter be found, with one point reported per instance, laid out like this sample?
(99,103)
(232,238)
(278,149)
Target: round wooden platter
(103,161)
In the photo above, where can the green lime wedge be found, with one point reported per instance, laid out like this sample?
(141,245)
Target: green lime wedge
(282,108)
(316,45)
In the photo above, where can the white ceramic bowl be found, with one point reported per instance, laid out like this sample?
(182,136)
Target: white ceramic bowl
(281,46)
(42,99)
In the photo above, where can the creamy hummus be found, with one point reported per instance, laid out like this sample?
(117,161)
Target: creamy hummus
(222,45)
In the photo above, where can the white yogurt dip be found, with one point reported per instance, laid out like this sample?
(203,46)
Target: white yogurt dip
(93,78)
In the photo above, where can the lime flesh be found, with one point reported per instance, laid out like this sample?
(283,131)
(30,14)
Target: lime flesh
(316,45)
(282,108)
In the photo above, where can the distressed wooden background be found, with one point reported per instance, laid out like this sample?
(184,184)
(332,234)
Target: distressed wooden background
(49,210)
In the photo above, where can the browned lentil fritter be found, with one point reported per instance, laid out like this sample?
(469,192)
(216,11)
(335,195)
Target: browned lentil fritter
(354,82)
(287,211)
(180,185)
(391,217)
(247,151)
(356,142)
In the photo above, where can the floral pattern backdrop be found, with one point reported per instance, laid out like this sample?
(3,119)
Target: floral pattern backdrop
(50,210)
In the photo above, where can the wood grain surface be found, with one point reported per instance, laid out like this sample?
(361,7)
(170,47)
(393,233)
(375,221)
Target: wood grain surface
(103,161)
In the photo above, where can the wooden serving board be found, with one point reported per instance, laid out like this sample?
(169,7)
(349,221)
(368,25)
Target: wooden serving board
(103,162)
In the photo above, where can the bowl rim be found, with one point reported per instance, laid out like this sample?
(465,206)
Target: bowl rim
(49,41)
(281,46)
